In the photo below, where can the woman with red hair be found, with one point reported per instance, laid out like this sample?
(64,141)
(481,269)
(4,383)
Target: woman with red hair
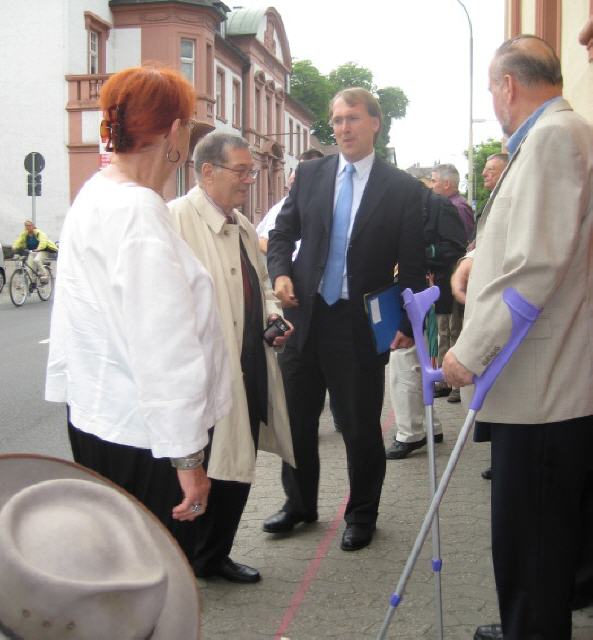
(136,350)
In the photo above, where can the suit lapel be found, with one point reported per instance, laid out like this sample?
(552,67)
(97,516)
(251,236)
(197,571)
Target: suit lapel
(373,193)
(327,185)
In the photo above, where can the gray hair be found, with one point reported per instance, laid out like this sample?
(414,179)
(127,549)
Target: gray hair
(448,172)
(503,157)
(529,59)
(213,149)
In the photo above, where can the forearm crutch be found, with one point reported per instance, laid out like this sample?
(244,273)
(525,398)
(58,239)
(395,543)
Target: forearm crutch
(523,315)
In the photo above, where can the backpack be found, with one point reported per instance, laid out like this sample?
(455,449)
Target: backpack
(444,232)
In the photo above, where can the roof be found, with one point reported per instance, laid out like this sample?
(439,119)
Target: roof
(244,21)
(212,4)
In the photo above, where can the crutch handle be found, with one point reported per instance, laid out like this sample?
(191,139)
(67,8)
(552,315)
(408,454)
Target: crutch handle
(417,306)
(523,315)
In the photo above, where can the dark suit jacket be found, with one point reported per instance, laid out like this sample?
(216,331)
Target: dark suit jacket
(387,230)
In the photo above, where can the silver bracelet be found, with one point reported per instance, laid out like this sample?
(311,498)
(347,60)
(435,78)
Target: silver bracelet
(192,461)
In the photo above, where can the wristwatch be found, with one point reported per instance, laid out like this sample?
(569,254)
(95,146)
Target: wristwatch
(193,461)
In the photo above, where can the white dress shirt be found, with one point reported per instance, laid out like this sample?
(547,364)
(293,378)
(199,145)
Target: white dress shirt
(360,177)
(136,348)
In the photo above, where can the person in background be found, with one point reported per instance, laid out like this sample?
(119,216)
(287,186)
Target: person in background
(136,349)
(495,165)
(39,246)
(222,238)
(268,222)
(445,182)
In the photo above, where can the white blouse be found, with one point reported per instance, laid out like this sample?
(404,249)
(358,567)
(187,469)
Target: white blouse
(136,348)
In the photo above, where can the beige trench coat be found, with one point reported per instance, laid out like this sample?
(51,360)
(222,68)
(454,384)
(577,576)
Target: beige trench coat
(216,245)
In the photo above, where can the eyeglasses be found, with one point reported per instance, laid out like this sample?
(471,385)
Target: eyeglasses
(242,173)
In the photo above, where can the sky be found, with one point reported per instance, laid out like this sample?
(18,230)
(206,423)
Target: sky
(421,46)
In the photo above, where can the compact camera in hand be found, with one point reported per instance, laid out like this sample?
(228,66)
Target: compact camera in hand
(276,328)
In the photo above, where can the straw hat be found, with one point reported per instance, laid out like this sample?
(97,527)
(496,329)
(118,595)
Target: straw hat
(80,559)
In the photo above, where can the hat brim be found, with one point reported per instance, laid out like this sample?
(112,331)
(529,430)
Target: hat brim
(180,617)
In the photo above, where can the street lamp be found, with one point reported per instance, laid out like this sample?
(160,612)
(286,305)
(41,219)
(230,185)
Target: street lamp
(470,150)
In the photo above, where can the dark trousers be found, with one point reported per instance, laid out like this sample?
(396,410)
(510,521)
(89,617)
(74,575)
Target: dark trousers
(153,481)
(329,362)
(540,496)
(216,529)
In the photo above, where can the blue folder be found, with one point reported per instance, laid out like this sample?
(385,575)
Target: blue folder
(384,312)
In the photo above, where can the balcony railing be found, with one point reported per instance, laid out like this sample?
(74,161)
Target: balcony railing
(83,90)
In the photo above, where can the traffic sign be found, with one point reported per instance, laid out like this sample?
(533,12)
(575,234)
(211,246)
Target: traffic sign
(34,162)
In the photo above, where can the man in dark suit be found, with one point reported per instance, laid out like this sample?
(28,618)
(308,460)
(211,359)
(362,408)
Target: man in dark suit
(357,217)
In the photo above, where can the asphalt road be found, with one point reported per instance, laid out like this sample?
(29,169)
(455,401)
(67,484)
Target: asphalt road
(28,424)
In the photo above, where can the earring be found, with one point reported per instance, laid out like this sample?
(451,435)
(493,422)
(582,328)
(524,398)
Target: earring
(173,160)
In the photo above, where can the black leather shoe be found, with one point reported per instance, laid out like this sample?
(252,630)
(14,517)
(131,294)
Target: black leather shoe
(356,536)
(283,521)
(441,391)
(235,572)
(488,632)
(400,450)
(487,473)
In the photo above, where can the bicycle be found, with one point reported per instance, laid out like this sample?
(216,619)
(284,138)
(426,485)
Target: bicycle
(24,281)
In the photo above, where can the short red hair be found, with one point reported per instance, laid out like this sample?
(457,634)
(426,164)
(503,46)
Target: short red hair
(152,98)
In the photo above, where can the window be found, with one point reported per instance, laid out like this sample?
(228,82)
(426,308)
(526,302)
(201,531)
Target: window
(93,65)
(305,140)
(188,59)
(209,69)
(278,122)
(298,138)
(180,181)
(236,104)
(98,32)
(257,109)
(269,115)
(220,106)
(290,136)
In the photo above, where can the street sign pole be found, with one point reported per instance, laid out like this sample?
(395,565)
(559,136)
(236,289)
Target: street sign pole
(33,203)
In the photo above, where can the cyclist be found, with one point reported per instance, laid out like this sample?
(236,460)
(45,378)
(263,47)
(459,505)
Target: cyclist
(39,246)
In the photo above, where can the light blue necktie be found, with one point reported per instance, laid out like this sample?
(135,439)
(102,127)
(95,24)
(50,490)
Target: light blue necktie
(334,267)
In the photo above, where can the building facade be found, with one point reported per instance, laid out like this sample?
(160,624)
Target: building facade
(568,26)
(58,54)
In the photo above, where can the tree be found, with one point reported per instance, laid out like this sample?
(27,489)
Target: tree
(393,103)
(351,75)
(315,90)
(481,153)
(312,88)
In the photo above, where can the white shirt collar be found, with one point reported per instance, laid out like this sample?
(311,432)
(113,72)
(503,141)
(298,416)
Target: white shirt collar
(363,167)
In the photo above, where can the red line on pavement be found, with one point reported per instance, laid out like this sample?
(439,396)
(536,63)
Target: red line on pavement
(320,553)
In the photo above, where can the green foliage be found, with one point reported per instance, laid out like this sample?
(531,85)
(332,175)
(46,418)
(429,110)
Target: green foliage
(315,90)
(481,153)
(309,86)
(351,75)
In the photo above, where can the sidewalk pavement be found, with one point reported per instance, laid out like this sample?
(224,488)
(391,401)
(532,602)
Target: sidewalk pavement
(311,589)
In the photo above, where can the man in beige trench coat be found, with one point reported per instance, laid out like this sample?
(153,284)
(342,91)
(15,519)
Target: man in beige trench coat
(227,245)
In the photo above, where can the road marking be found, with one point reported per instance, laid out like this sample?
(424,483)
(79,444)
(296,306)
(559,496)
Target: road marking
(321,552)
(46,341)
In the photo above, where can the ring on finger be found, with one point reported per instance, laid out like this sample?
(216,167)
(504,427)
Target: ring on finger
(196,507)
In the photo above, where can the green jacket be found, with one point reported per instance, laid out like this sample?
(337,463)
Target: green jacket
(45,244)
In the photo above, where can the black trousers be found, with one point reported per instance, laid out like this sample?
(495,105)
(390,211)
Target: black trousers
(329,362)
(540,497)
(153,481)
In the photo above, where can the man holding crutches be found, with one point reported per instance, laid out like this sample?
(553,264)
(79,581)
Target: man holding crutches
(535,235)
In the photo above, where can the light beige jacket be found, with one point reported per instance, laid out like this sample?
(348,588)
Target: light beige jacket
(216,244)
(536,234)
